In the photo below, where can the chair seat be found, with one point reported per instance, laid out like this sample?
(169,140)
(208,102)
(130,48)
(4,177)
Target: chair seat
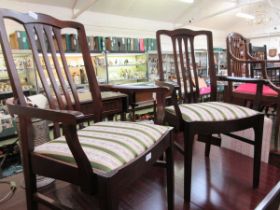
(249,88)
(212,111)
(108,145)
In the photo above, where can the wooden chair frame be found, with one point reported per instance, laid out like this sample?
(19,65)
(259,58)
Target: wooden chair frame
(183,60)
(67,114)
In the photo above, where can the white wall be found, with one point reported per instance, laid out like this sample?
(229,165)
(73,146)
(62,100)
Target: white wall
(270,42)
(104,24)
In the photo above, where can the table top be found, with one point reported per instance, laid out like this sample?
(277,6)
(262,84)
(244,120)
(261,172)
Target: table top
(85,96)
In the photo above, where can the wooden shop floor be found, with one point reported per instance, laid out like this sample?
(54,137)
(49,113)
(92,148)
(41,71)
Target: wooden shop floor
(224,181)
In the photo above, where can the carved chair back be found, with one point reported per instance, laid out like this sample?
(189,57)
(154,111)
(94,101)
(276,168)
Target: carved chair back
(185,62)
(237,47)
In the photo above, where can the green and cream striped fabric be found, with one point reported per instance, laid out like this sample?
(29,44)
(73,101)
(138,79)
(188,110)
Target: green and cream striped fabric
(212,111)
(108,145)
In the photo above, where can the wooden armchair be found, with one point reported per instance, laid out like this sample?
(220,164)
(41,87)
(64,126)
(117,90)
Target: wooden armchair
(102,158)
(259,91)
(205,118)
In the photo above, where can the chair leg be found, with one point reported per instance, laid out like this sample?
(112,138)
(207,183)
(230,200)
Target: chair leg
(188,144)
(207,146)
(207,149)
(29,176)
(170,176)
(277,124)
(258,129)
(30,189)
(108,200)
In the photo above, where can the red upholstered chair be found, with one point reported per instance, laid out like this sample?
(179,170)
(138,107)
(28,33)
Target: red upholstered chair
(250,90)
(102,158)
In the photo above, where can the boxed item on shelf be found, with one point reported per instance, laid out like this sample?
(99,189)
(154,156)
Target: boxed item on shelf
(150,44)
(108,44)
(66,42)
(18,40)
(141,45)
(128,44)
(99,43)
(122,44)
(135,44)
(91,43)
(114,44)
(75,47)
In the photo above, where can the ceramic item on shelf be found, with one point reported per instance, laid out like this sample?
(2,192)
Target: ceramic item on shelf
(272,52)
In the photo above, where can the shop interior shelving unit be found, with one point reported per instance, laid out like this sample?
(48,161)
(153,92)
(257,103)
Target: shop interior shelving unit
(111,68)
(25,67)
(169,66)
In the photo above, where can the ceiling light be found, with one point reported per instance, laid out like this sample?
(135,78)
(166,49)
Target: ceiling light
(245,15)
(187,1)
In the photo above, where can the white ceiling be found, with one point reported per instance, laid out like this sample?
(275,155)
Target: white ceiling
(210,14)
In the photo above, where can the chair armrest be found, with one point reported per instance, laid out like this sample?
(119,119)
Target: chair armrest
(69,120)
(172,86)
(242,79)
(64,116)
(250,60)
(129,88)
(273,86)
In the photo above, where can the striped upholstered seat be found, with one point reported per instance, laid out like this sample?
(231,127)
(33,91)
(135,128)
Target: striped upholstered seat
(108,145)
(212,111)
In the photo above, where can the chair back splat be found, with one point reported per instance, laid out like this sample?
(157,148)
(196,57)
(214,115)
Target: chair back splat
(238,46)
(186,72)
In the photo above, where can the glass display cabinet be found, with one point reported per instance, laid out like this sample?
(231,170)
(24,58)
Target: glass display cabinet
(24,63)
(100,65)
(220,58)
(126,68)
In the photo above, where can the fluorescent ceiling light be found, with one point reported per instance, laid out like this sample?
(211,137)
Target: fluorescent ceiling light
(187,1)
(245,15)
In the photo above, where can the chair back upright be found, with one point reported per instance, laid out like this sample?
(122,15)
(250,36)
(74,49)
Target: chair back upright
(238,48)
(44,35)
(184,55)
